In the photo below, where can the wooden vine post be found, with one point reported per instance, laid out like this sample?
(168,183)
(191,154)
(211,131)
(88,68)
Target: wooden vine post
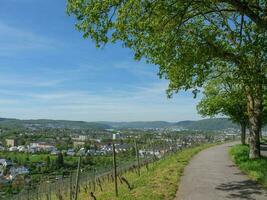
(77,178)
(70,186)
(137,157)
(115,169)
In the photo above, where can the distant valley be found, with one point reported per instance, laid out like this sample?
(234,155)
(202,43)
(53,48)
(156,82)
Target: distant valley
(204,124)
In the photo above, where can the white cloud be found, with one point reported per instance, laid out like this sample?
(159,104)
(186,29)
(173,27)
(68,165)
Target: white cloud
(14,40)
(143,103)
(17,80)
(137,68)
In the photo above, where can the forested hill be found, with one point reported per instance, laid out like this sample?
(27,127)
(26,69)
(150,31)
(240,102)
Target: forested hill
(205,124)
(47,123)
(139,124)
(208,124)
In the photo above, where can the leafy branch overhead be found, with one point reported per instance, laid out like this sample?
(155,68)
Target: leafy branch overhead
(192,42)
(185,38)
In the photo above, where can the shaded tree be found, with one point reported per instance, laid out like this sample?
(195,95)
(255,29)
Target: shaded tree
(225,97)
(191,41)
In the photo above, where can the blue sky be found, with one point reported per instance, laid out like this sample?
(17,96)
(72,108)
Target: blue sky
(47,70)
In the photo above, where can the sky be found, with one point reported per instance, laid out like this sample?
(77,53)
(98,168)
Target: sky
(48,71)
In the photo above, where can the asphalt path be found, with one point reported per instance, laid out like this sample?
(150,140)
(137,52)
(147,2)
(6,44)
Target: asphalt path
(211,175)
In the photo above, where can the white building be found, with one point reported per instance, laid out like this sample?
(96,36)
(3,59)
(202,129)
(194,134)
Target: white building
(14,148)
(116,136)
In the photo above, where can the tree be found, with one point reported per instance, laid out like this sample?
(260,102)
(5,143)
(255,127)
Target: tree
(225,97)
(191,41)
(59,161)
(87,160)
(48,162)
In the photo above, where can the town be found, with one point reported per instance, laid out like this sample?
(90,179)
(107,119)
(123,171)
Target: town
(31,156)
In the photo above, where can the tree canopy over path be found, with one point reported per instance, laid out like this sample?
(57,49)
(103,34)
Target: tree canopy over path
(191,41)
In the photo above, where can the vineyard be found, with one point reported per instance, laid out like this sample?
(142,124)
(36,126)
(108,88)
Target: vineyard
(92,184)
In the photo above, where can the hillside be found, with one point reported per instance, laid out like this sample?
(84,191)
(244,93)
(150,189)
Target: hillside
(46,123)
(205,124)
(139,124)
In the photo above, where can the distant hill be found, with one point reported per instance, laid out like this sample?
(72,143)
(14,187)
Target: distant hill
(139,124)
(205,124)
(47,123)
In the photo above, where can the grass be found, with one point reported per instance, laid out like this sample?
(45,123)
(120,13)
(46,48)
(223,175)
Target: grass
(256,168)
(158,183)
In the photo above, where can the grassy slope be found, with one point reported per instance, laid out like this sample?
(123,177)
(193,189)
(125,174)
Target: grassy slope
(256,169)
(159,182)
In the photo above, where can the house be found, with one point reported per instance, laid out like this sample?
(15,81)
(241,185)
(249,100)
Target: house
(55,152)
(123,147)
(11,142)
(99,153)
(82,152)
(107,148)
(83,137)
(13,148)
(15,171)
(43,146)
(116,136)
(5,163)
(22,148)
(19,170)
(78,143)
(2,148)
(32,149)
(70,152)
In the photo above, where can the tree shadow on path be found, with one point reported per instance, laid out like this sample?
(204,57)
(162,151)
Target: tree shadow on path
(242,189)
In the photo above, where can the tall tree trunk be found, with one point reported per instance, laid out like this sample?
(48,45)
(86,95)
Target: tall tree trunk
(243,133)
(255,115)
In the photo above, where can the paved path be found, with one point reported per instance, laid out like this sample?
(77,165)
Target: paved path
(211,175)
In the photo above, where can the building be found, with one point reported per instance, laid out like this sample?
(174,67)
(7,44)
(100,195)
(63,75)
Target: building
(11,142)
(5,163)
(15,171)
(78,144)
(14,148)
(83,137)
(43,146)
(116,136)
(70,152)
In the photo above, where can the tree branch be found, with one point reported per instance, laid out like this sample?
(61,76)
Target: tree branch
(244,8)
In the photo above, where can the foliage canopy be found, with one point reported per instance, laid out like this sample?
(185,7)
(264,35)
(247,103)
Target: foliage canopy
(191,41)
